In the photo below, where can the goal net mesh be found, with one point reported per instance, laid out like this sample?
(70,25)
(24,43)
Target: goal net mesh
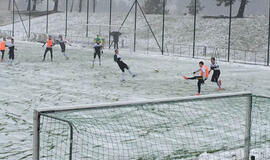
(203,129)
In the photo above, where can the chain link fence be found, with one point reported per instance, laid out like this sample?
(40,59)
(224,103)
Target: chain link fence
(236,31)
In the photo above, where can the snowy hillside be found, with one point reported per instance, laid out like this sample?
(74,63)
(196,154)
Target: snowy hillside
(247,34)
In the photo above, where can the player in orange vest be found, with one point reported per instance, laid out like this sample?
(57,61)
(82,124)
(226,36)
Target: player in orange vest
(204,73)
(3,48)
(50,44)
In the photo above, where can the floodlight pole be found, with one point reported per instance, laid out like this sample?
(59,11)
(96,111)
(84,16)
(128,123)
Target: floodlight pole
(124,21)
(29,23)
(135,24)
(47,16)
(87,18)
(13,17)
(66,25)
(230,28)
(194,29)
(268,47)
(163,26)
(110,23)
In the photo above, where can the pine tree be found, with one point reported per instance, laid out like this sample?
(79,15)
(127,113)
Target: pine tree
(241,9)
(154,7)
(191,7)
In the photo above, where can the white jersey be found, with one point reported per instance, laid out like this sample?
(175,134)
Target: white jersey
(214,67)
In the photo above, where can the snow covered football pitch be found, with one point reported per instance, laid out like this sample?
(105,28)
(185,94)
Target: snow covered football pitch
(30,84)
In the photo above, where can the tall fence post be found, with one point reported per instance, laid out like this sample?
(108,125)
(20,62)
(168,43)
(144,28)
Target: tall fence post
(94,6)
(13,17)
(47,18)
(110,23)
(135,25)
(29,20)
(248,128)
(66,25)
(70,140)
(230,28)
(36,123)
(87,17)
(163,25)
(194,29)
(268,47)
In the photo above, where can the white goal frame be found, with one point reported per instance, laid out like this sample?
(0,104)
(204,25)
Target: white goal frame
(39,112)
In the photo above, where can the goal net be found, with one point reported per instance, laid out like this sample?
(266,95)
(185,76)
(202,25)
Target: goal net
(205,127)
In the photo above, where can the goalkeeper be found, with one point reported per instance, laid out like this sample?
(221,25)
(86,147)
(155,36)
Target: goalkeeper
(204,72)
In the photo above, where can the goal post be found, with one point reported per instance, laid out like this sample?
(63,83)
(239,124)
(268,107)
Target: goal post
(184,128)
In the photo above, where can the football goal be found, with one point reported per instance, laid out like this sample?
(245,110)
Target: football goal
(205,127)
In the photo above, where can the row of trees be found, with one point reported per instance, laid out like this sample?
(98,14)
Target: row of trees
(150,6)
(156,6)
(32,5)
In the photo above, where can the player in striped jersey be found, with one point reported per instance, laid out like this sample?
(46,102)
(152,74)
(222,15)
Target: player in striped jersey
(97,52)
(122,65)
(215,67)
(62,44)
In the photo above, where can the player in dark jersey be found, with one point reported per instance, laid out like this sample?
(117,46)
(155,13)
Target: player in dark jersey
(11,48)
(215,67)
(122,65)
(62,44)
(97,51)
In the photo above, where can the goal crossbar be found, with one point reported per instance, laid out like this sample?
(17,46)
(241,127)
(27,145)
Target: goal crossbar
(135,103)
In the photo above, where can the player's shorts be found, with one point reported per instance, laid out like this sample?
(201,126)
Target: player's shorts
(11,55)
(123,66)
(97,54)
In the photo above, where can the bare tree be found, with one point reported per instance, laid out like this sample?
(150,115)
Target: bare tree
(191,7)
(28,5)
(241,9)
(72,4)
(9,5)
(94,6)
(55,8)
(34,5)
(154,7)
(80,5)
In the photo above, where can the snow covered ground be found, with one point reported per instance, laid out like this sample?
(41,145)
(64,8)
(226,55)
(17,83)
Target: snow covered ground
(30,84)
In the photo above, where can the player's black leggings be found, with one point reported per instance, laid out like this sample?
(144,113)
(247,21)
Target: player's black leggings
(215,76)
(11,55)
(122,66)
(116,45)
(3,53)
(51,51)
(200,82)
(97,54)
